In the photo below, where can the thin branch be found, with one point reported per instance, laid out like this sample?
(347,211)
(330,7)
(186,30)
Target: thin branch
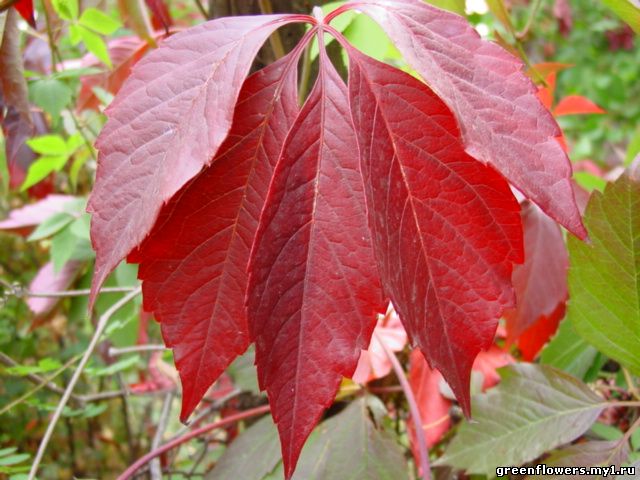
(532,15)
(155,469)
(115,351)
(45,382)
(100,327)
(633,390)
(78,293)
(201,9)
(413,408)
(274,40)
(129,472)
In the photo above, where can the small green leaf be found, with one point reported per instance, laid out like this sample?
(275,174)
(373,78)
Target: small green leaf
(8,451)
(74,142)
(42,167)
(51,226)
(116,367)
(14,459)
(51,95)
(95,45)
(67,245)
(568,352)
(606,432)
(604,275)
(98,21)
(455,6)
(589,181)
(48,145)
(67,9)
(74,34)
(633,150)
(535,408)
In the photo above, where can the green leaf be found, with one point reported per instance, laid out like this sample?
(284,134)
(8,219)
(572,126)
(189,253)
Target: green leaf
(604,277)
(51,95)
(51,226)
(48,145)
(535,408)
(633,149)
(347,446)
(74,34)
(95,45)
(607,432)
(67,9)
(8,451)
(116,367)
(243,372)
(71,243)
(568,352)
(627,11)
(42,167)
(44,365)
(98,21)
(587,454)
(589,181)
(14,459)
(455,6)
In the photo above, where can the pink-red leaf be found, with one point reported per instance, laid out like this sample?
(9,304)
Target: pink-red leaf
(48,280)
(541,281)
(446,229)
(576,105)
(24,219)
(193,265)
(169,119)
(502,121)
(313,290)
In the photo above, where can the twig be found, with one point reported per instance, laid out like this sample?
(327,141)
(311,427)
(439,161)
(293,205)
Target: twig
(155,469)
(633,390)
(129,472)
(100,327)
(274,40)
(45,382)
(114,351)
(532,15)
(413,408)
(78,293)
(202,10)
(207,411)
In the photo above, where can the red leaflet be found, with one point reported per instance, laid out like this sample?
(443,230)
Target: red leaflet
(502,121)
(537,335)
(167,122)
(313,290)
(446,228)
(541,281)
(25,9)
(193,264)
(576,105)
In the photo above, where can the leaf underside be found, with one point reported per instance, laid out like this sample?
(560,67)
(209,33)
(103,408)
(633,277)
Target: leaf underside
(258,220)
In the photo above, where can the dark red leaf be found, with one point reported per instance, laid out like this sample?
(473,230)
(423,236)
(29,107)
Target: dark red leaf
(25,9)
(541,281)
(193,265)
(313,290)
(15,114)
(502,121)
(576,105)
(446,228)
(161,18)
(167,122)
(562,12)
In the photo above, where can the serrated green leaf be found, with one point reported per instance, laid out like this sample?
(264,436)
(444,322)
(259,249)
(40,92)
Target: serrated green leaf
(95,45)
(568,352)
(347,446)
(51,226)
(604,277)
(98,21)
(627,11)
(48,145)
(51,95)
(42,167)
(534,409)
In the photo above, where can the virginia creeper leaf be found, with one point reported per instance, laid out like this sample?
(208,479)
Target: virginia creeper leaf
(502,121)
(193,265)
(576,105)
(604,277)
(25,9)
(541,281)
(313,290)
(534,409)
(168,121)
(448,275)
(587,454)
